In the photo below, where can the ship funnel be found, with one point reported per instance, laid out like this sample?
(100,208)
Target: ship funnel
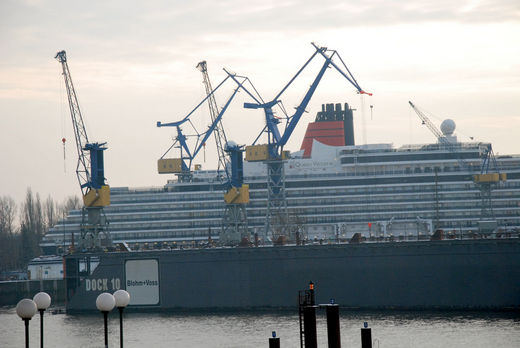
(349,125)
(334,126)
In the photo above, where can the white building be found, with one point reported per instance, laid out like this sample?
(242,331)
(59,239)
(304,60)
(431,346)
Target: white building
(45,267)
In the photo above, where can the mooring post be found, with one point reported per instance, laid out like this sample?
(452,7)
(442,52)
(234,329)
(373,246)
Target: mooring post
(333,332)
(309,320)
(309,327)
(307,313)
(274,342)
(311,292)
(366,336)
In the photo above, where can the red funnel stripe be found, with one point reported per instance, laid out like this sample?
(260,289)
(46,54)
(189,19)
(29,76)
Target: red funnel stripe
(328,133)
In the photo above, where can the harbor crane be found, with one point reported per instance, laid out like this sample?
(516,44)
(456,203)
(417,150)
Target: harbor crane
(236,196)
(94,233)
(272,153)
(488,178)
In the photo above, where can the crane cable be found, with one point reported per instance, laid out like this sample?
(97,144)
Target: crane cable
(62,117)
(363,118)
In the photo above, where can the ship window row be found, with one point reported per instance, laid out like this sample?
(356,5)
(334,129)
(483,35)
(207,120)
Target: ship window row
(411,157)
(379,181)
(193,213)
(399,169)
(165,234)
(454,192)
(389,207)
(302,202)
(513,187)
(352,172)
(501,213)
(368,207)
(321,200)
(310,191)
(166,224)
(218,197)
(470,216)
(171,205)
(452,219)
(451,198)
(311,206)
(407,210)
(332,199)
(166,197)
(510,206)
(114,217)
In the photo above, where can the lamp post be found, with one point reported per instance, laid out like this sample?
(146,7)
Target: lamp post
(122,300)
(105,302)
(43,301)
(26,309)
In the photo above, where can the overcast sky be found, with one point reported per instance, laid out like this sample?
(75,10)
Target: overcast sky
(133,64)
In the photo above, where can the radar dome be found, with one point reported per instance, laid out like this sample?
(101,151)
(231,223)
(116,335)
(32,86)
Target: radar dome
(230,144)
(448,127)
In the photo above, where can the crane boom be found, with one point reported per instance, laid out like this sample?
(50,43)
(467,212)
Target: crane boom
(448,144)
(80,133)
(426,121)
(220,135)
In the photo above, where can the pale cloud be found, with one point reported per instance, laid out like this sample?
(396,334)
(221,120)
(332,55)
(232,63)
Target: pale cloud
(133,63)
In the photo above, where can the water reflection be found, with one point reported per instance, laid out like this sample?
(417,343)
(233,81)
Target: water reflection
(252,329)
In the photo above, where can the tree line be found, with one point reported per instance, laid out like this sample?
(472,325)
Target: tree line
(22,226)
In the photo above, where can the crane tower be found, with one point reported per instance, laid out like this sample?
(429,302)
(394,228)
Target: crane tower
(94,233)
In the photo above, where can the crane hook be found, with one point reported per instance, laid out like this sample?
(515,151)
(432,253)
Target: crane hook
(63,140)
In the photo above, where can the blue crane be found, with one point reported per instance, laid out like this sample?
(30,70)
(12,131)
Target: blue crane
(236,193)
(89,170)
(272,153)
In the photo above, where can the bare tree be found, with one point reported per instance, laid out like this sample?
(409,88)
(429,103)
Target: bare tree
(7,215)
(20,238)
(32,226)
(70,203)
(51,212)
(9,257)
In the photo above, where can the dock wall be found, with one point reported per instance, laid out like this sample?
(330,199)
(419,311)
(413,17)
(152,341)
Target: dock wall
(13,291)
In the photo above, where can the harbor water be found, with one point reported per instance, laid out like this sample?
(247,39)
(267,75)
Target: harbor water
(252,329)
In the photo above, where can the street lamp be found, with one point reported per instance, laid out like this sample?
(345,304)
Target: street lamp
(105,302)
(43,301)
(26,309)
(122,299)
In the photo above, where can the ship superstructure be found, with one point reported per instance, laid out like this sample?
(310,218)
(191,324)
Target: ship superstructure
(339,190)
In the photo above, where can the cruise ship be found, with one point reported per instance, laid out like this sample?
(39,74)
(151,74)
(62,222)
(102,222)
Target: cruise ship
(335,190)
